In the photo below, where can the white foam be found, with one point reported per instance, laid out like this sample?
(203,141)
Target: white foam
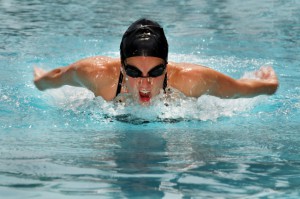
(179,108)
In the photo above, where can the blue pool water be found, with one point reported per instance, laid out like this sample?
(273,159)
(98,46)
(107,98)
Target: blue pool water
(65,143)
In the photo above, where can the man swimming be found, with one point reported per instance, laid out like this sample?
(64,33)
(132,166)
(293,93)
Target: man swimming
(144,70)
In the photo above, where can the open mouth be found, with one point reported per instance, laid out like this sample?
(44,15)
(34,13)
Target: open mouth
(145,96)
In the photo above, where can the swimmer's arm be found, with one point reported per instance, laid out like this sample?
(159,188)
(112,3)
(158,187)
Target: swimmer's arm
(82,73)
(55,78)
(195,80)
(223,86)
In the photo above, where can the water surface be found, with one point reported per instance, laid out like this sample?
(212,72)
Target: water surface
(65,143)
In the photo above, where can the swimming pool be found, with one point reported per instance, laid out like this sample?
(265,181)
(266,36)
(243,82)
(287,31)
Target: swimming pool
(65,143)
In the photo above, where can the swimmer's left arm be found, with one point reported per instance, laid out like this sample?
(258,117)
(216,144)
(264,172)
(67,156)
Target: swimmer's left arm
(195,80)
(227,87)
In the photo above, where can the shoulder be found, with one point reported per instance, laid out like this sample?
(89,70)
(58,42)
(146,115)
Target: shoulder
(96,64)
(177,71)
(191,79)
(98,74)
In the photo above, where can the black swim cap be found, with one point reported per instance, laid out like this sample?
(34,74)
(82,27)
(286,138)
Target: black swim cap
(144,38)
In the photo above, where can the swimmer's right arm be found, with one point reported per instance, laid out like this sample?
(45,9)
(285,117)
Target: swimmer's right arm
(55,78)
(97,74)
(93,73)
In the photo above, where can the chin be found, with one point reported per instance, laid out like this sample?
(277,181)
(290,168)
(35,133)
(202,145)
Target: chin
(145,103)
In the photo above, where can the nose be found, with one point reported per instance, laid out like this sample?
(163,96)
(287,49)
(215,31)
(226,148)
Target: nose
(145,81)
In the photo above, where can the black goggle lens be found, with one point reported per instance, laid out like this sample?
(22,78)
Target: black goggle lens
(132,71)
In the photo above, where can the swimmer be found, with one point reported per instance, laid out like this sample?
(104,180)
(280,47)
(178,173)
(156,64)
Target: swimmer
(143,71)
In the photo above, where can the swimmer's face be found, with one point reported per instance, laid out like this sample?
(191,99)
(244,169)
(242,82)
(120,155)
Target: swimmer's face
(152,70)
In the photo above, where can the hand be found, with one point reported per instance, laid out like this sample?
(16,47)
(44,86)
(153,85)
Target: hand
(267,74)
(38,73)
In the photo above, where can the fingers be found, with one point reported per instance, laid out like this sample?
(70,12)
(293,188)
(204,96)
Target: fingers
(38,72)
(265,72)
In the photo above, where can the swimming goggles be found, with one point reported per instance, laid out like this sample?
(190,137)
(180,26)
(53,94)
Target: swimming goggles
(134,72)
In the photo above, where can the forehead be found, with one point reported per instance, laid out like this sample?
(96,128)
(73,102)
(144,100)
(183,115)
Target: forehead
(144,61)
